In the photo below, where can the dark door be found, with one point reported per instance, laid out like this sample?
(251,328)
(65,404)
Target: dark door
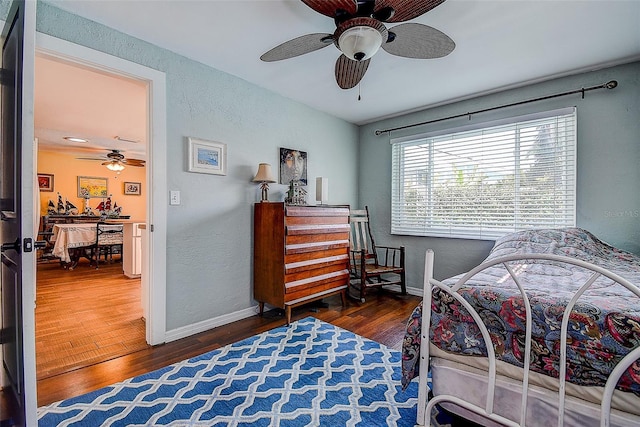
(14,244)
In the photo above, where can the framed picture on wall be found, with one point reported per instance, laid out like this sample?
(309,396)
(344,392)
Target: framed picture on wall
(45,182)
(293,166)
(207,156)
(91,186)
(132,188)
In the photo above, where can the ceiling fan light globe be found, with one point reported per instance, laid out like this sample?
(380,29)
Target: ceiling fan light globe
(360,43)
(115,166)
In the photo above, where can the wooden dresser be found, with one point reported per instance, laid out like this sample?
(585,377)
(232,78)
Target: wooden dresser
(301,254)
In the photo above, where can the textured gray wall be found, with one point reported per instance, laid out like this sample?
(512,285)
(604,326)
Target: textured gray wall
(209,236)
(608,197)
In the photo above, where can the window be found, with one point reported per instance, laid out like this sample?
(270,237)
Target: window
(486,181)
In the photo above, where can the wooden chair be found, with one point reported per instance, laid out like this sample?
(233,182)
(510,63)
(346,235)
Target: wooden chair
(45,233)
(369,264)
(109,239)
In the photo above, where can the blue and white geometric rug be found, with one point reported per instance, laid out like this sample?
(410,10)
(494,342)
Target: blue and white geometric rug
(308,374)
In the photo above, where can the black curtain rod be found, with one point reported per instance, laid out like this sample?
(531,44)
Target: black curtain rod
(609,85)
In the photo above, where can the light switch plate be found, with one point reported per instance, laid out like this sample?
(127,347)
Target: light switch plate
(174,197)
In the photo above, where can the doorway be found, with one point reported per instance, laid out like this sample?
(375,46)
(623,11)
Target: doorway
(91,126)
(153,237)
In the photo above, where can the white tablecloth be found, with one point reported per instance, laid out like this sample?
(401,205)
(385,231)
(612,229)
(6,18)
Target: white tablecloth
(69,236)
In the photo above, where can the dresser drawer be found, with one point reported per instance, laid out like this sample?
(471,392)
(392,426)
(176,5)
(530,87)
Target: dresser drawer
(304,256)
(315,220)
(311,211)
(312,238)
(294,298)
(320,260)
(306,229)
(312,274)
(312,285)
(315,246)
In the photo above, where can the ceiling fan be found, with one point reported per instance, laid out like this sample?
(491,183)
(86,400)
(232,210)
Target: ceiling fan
(116,161)
(360,32)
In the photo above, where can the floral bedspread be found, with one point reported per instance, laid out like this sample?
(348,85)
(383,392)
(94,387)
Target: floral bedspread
(604,325)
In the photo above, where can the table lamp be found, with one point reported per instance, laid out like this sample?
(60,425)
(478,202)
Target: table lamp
(264,177)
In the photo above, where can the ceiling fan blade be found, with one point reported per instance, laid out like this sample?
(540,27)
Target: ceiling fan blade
(419,41)
(298,46)
(90,158)
(403,10)
(332,8)
(134,162)
(350,72)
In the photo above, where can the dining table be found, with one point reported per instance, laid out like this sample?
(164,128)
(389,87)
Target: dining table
(71,241)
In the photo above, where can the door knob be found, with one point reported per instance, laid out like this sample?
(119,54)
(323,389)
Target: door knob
(40,244)
(14,245)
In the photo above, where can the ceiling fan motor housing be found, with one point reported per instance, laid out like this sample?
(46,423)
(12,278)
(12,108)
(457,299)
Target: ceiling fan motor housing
(360,38)
(115,155)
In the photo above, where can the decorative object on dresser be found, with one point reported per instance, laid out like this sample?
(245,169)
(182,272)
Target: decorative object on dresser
(296,195)
(322,190)
(264,177)
(301,254)
(371,264)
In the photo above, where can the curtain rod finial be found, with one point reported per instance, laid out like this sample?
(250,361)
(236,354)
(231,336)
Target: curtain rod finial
(611,84)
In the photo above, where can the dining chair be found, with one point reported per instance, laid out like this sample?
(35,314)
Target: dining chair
(109,239)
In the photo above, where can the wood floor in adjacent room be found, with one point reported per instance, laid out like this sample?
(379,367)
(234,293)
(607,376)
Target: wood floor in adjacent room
(381,318)
(85,316)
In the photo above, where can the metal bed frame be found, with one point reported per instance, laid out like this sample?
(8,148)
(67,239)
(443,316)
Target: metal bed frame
(425,405)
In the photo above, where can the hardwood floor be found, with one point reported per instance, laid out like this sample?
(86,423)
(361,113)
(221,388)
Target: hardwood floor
(85,316)
(381,318)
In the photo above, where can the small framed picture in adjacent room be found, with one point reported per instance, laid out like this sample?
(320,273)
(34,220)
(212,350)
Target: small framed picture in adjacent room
(132,188)
(45,182)
(92,186)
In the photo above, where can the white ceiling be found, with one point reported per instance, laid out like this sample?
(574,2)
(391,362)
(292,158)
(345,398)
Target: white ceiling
(499,44)
(71,101)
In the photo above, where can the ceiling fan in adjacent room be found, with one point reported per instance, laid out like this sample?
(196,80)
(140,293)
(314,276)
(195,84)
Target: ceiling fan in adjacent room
(360,32)
(115,161)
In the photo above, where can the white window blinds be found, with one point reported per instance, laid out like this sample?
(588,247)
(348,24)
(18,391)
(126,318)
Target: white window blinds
(487,181)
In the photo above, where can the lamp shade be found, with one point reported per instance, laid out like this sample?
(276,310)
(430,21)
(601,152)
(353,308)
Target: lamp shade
(264,173)
(360,43)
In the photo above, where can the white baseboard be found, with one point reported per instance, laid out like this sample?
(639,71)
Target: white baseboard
(415,291)
(205,325)
(410,290)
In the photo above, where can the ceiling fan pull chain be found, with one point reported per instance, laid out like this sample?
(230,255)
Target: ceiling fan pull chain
(359,97)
